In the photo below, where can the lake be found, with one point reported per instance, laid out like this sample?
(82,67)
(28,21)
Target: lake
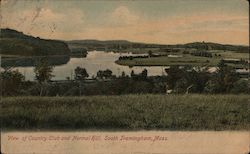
(95,61)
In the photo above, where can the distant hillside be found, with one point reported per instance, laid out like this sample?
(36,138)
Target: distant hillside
(16,43)
(123,44)
(97,44)
(216,46)
(100,42)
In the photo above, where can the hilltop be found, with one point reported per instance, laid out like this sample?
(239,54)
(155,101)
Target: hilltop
(17,43)
(124,44)
(216,46)
(93,41)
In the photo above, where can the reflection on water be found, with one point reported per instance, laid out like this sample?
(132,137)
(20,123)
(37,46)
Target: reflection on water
(95,61)
(31,61)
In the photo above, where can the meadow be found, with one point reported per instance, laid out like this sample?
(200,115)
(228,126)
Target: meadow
(186,59)
(127,112)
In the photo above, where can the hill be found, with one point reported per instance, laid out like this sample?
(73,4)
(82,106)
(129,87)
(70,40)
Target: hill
(89,41)
(124,44)
(91,44)
(16,43)
(216,46)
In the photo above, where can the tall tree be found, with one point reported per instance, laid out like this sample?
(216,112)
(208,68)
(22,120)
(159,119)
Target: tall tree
(43,74)
(150,54)
(43,71)
(174,74)
(132,74)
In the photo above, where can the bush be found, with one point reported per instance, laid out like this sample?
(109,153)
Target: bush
(11,82)
(241,86)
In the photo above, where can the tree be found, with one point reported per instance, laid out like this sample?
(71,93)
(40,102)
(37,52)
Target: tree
(132,74)
(144,74)
(150,53)
(43,74)
(181,85)
(43,71)
(104,74)
(11,81)
(241,86)
(99,74)
(123,74)
(80,73)
(226,76)
(222,80)
(174,74)
(107,73)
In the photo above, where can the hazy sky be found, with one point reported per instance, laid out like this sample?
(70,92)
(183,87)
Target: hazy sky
(155,21)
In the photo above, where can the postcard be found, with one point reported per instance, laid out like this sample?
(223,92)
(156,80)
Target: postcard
(124,77)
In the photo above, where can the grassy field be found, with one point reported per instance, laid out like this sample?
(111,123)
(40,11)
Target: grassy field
(127,112)
(187,59)
(231,54)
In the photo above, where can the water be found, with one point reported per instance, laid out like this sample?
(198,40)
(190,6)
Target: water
(95,61)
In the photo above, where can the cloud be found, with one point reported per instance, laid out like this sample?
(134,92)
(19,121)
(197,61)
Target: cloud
(215,28)
(44,21)
(125,23)
(122,15)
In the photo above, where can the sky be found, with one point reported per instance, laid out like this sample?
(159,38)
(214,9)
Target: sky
(149,21)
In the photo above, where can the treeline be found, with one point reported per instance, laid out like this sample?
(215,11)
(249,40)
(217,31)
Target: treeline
(179,80)
(123,44)
(224,80)
(16,43)
(202,54)
(78,52)
(150,54)
(132,57)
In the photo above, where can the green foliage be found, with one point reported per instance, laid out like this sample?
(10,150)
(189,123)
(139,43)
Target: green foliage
(202,54)
(43,71)
(80,73)
(179,80)
(150,53)
(144,73)
(241,86)
(223,80)
(216,46)
(16,43)
(119,45)
(197,80)
(10,82)
(141,76)
(107,74)
(174,74)
(127,112)
(181,85)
